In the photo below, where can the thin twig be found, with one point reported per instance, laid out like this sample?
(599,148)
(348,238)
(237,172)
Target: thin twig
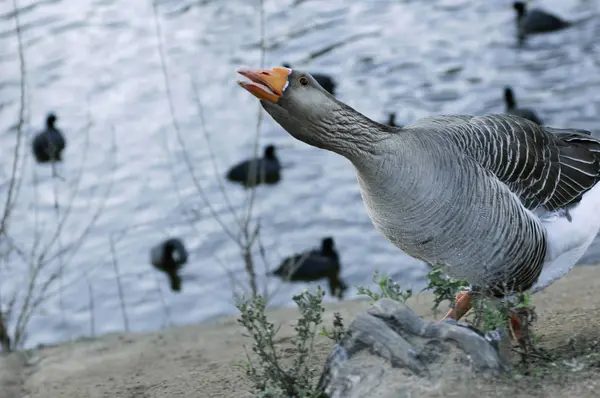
(252,193)
(211,153)
(166,310)
(248,231)
(62,221)
(35,297)
(115,264)
(60,257)
(248,239)
(8,205)
(187,161)
(92,305)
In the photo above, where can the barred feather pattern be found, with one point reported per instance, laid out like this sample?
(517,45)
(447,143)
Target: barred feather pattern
(460,191)
(471,194)
(543,166)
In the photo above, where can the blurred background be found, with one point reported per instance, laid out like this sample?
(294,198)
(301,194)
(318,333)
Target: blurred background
(141,129)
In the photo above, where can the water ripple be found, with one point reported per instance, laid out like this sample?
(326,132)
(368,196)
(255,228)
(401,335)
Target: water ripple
(97,61)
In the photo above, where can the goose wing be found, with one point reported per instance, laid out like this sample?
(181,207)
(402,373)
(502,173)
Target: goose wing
(543,166)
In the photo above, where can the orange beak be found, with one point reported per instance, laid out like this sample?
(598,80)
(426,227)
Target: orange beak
(265,84)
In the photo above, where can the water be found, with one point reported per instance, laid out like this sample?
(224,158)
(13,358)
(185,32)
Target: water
(94,62)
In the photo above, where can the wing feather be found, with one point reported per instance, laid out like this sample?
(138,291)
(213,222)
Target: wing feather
(543,166)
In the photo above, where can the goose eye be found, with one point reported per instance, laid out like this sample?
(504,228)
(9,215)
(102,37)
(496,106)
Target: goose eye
(303,81)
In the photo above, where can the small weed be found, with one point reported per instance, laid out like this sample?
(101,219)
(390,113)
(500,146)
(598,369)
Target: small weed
(443,287)
(338,332)
(389,289)
(271,379)
(489,316)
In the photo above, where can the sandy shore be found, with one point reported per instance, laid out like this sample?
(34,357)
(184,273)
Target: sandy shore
(199,361)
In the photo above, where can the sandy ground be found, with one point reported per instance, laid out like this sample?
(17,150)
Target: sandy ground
(199,361)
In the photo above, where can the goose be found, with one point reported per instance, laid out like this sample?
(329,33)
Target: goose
(324,80)
(49,144)
(169,256)
(496,200)
(536,21)
(313,265)
(511,107)
(266,170)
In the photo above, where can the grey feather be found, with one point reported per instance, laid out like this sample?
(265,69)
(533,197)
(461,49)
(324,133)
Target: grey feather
(496,166)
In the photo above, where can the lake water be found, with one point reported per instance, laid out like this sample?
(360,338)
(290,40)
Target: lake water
(96,64)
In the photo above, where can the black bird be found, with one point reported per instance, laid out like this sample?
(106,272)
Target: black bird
(253,172)
(536,21)
(512,109)
(48,145)
(324,81)
(392,120)
(313,265)
(169,256)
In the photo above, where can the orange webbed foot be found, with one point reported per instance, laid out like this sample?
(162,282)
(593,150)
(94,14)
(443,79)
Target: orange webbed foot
(462,305)
(514,326)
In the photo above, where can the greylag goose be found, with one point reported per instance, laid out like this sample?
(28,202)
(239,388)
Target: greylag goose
(536,21)
(512,109)
(49,144)
(496,200)
(324,80)
(313,265)
(169,256)
(253,172)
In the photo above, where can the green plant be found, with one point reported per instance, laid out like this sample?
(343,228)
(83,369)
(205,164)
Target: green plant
(338,332)
(524,300)
(443,287)
(389,289)
(270,377)
(490,316)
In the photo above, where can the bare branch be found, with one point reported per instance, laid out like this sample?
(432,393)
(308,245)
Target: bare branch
(92,305)
(187,160)
(211,153)
(119,287)
(8,205)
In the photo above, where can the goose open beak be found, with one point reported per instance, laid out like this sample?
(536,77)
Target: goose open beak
(265,84)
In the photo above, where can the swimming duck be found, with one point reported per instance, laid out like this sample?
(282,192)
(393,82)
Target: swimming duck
(536,21)
(49,144)
(511,107)
(169,256)
(253,172)
(313,265)
(392,120)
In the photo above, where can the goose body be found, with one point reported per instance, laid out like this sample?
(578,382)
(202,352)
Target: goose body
(497,200)
(486,201)
(313,265)
(266,169)
(49,144)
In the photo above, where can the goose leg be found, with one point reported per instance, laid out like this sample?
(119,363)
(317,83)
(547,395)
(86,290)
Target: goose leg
(462,305)
(520,322)
(514,326)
